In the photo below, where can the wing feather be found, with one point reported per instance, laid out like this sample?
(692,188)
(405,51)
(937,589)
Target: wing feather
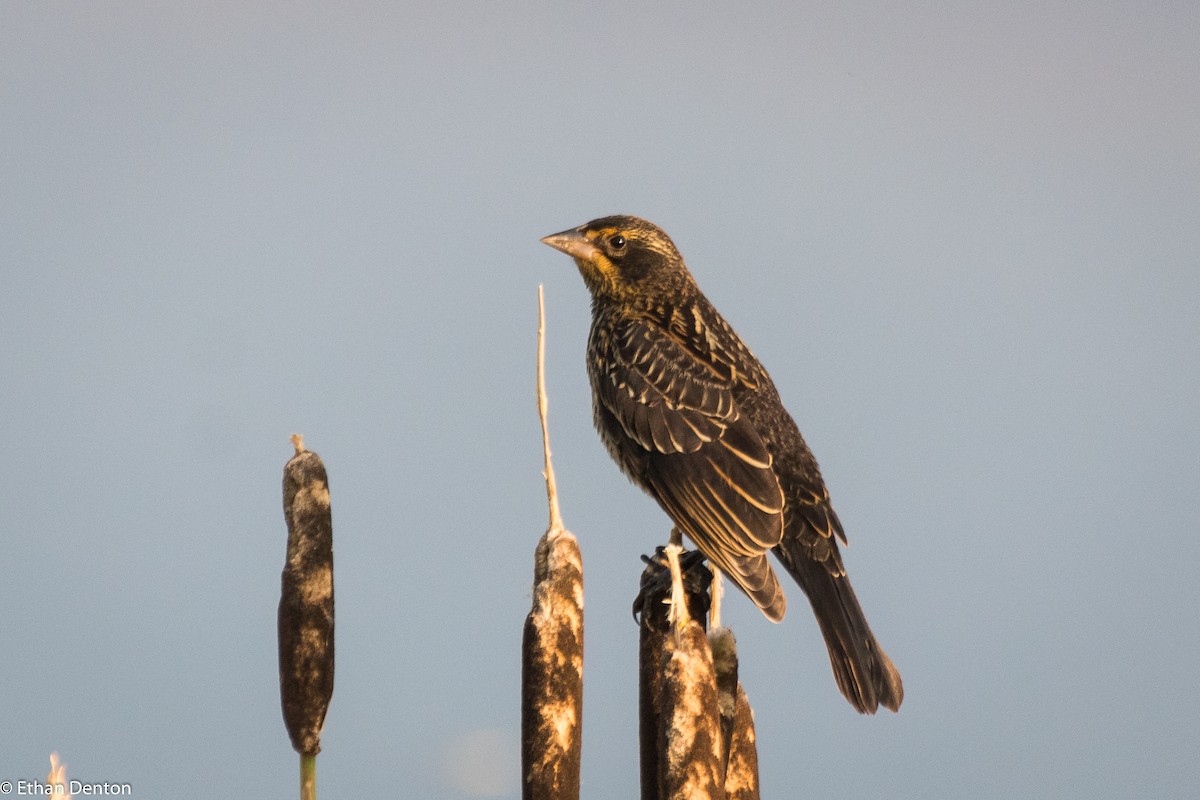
(703,459)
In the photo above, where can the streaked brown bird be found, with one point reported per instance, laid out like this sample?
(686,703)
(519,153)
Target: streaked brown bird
(691,416)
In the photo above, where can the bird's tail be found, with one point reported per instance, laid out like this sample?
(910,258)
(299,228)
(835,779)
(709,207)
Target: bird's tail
(863,671)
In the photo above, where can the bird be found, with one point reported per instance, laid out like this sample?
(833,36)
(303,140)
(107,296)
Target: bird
(690,415)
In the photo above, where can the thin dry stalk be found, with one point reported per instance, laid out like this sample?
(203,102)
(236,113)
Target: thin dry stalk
(552,647)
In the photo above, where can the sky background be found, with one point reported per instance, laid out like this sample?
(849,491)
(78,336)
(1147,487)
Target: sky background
(962,237)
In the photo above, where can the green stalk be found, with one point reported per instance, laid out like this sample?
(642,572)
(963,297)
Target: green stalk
(308,777)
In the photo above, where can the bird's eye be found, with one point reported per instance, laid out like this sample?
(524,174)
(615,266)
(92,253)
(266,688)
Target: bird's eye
(617,242)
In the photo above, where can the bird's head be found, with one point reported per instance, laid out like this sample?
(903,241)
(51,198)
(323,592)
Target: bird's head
(624,260)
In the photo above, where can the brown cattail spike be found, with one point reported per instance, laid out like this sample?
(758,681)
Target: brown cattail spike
(679,723)
(739,749)
(306,601)
(741,762)
(692,755)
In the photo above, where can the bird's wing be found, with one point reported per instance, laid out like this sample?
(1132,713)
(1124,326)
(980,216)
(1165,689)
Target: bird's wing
(707,465)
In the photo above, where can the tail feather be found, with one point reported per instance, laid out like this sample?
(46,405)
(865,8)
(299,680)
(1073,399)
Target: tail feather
(864,673)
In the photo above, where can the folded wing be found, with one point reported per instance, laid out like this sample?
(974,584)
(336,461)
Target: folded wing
(705,463)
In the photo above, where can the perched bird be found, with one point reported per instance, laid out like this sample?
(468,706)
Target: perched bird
(691,416)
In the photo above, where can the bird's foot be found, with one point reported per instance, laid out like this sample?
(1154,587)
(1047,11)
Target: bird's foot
(656,585)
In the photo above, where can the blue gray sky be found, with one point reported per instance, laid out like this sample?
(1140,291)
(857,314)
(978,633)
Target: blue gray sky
(962,237)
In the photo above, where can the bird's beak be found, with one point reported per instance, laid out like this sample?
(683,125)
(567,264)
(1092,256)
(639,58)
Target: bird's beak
(573,243)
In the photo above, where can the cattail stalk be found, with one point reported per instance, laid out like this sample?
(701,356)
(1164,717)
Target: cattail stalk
(696,726)
(552,648)
(739,750)
(679,725)
(306,609)
(692,762)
